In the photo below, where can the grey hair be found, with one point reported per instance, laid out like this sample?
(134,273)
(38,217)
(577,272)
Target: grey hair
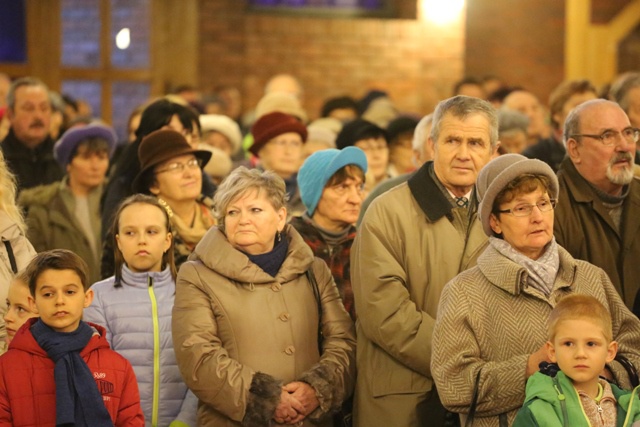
(620,89)
(241,181)
(420,133)
(24,81)
(510,120)
(572,122)
(461,106)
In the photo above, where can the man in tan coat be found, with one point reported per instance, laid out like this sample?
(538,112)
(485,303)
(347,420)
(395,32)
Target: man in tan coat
(412,241)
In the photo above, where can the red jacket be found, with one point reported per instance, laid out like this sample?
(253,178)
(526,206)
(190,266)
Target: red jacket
(28,390)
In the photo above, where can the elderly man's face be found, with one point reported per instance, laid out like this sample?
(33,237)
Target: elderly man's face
(608,167)
(31,115)
(462,149)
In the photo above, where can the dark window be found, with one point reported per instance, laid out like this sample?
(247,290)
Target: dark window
(13,31)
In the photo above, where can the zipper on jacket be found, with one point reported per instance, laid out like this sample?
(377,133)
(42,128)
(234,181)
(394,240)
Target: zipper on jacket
(156,355)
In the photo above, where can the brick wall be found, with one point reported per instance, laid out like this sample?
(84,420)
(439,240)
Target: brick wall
(415,62)
(523,40)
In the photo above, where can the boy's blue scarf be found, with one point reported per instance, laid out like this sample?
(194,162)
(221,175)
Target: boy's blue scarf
(78,400)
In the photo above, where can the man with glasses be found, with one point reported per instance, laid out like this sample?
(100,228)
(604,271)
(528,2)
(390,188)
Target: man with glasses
(598,217)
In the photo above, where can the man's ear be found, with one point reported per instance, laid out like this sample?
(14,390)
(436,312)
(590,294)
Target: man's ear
(573,150)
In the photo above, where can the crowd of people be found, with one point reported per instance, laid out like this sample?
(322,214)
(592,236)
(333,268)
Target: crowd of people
(475,265)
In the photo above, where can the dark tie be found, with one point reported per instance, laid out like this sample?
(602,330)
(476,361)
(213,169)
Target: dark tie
(462,202)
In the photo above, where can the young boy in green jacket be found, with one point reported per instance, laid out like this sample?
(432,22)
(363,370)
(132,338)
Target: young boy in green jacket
(580,342)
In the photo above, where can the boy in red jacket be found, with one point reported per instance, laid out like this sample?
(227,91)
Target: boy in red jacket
(60,370)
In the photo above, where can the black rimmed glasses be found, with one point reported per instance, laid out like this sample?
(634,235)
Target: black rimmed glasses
(610,137)
(178,167)
(525,209)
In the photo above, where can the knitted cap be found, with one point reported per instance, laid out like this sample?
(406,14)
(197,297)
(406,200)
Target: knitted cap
(356,130)
(75,135)
(318,169)
(501,171)
(273,124)
(224,125)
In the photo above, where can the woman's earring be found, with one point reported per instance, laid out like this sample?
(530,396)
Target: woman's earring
(279,236)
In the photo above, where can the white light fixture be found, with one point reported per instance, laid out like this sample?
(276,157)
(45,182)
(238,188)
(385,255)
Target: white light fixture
(123,39)
(442,12)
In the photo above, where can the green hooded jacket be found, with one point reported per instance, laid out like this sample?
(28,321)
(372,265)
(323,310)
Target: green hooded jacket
(552,402)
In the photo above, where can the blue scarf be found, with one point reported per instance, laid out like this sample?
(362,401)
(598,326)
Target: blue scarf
(272,261)
(78,400)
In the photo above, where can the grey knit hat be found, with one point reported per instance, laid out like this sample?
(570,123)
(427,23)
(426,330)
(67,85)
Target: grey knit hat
(501,171)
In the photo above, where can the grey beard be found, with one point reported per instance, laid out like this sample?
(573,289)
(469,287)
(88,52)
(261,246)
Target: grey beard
(624,177)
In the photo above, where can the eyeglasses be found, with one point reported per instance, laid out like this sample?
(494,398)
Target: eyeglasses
(180,167)
(525,209)
(610,137)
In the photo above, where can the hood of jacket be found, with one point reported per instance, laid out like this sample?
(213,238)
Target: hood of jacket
(40,195)
(24,340)
(216,253)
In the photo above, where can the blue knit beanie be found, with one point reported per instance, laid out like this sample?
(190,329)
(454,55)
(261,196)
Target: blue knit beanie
(318,169)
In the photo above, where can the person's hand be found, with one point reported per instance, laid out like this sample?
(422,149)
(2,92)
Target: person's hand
(305,394)
(534,360)
(289,410)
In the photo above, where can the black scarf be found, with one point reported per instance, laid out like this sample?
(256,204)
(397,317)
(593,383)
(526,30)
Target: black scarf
(272,261)
(78,400)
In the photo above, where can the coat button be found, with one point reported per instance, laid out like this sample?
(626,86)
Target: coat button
(290,350)
(276,287)
(284,317)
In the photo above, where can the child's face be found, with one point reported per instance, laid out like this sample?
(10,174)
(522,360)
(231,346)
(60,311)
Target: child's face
(142,237)
(18,308)
(581,351)
(60,299)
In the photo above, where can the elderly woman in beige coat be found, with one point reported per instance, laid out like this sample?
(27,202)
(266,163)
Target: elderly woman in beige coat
(490,331)
(247,316)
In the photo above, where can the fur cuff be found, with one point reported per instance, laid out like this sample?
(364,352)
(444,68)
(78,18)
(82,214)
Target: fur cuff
(264,396)
(323,380)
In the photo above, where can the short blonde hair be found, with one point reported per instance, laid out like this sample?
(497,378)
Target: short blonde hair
(580,307)
(241,181)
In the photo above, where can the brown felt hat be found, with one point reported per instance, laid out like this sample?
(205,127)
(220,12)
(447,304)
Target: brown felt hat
(158,147)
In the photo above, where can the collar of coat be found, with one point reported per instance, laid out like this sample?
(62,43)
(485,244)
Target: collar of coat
(512,277)
(432,201)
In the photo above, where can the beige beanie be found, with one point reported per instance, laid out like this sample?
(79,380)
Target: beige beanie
(283,103)
(220,164)
(224,125)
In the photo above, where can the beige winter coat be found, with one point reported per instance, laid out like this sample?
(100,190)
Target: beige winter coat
(490,321)
(239,334)
(406,250)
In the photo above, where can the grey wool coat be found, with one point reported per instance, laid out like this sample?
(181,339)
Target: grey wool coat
(490,321)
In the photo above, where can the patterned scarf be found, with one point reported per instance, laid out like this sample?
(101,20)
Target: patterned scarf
(541,273)
(78,400)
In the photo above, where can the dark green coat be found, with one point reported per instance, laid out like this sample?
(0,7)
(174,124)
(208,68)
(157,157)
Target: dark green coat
(52,223)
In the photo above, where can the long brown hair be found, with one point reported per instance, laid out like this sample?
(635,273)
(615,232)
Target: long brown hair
(167,257)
